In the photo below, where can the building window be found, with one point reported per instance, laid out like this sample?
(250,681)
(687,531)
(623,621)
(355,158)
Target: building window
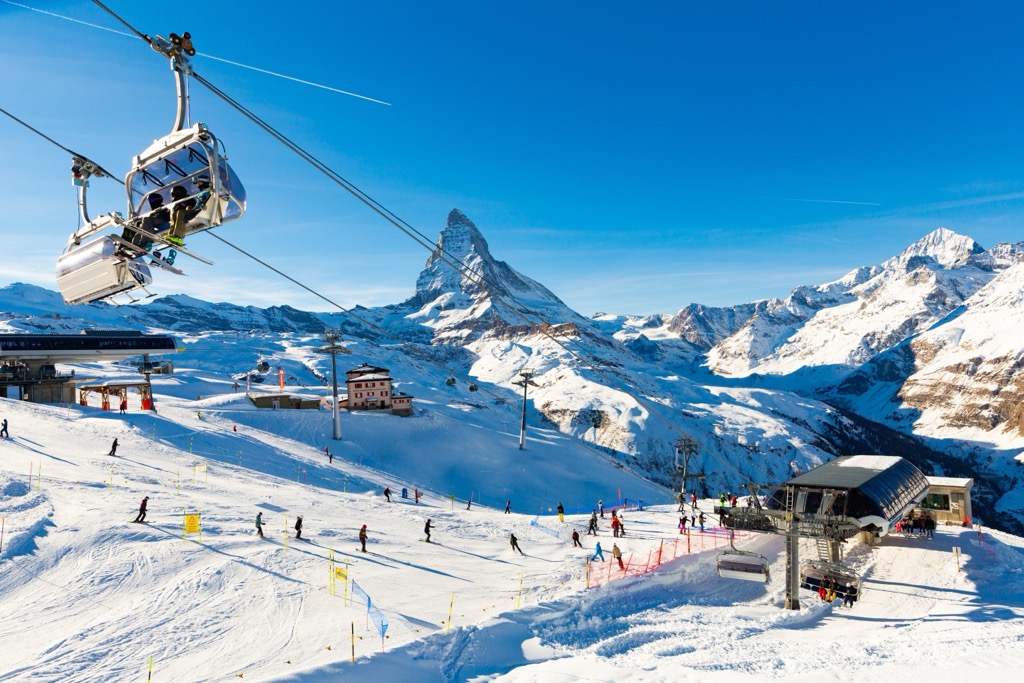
(936,501)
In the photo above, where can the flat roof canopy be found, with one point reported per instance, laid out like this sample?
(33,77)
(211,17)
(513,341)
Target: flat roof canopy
(93,346)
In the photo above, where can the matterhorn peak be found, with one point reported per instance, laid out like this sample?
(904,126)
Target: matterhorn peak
(460,240)
(462,274)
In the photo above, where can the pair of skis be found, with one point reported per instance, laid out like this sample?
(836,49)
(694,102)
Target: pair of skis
(157,255)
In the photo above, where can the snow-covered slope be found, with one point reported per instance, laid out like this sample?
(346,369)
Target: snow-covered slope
(98,598)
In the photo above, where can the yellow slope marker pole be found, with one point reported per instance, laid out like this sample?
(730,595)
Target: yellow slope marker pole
(519,601)
(450,606)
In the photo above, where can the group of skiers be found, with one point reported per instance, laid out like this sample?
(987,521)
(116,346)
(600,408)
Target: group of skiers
(909,525)
(617,527)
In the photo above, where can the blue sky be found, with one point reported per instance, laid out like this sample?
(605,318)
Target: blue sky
(633,160)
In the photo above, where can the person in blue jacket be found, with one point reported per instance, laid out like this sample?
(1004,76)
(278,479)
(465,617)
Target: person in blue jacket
(598,552)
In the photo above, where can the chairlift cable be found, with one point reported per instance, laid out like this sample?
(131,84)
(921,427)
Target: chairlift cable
(131,28)
(103,172)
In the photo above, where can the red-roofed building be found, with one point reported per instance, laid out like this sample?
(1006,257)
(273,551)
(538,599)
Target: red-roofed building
(369,388)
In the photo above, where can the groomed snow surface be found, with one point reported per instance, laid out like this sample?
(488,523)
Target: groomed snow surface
(89,596)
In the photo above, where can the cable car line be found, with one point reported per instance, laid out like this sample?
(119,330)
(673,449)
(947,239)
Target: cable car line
(97,170)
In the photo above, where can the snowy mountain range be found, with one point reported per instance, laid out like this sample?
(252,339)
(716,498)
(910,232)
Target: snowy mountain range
(917,356)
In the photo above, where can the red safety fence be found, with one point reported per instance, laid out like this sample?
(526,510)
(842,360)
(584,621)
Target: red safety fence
(639,562)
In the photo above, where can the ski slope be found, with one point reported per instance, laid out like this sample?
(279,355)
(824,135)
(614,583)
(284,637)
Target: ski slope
(90,596)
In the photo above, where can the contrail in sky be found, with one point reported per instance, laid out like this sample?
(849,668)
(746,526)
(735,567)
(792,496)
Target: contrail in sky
(219,59)
(825,201)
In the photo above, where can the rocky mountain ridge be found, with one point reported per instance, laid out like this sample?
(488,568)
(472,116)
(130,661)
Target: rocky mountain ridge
(749,385)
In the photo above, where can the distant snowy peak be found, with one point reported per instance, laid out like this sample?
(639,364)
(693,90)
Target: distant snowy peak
(949,249)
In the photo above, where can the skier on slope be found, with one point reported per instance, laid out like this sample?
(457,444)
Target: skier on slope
(362,538)
(113,448)
(515,544)
(561,512)
(426,530)
(598,552)
(259,524)
(142,511)
(387,493)
(298,527)
(576,539)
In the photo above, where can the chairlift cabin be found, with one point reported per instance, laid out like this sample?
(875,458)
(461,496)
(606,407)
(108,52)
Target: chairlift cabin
(739,564)
(742,564)
(119,261)
(180,159)
(843,580)
(96,270)
(473,387)
(262,365)
(450,381)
